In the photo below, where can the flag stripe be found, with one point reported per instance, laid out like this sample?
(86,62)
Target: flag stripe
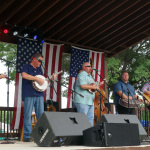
(59,69)
(46,66)
(69,92)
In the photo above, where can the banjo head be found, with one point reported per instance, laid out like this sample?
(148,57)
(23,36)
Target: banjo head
(40,88)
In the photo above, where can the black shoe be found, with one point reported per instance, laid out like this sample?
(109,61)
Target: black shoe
(26,140)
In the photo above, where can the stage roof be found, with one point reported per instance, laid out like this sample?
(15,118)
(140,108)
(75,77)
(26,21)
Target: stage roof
(109,26)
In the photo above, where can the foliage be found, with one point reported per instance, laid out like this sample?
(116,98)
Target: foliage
(4,113)
(9,53)
(65,75)
(135,60)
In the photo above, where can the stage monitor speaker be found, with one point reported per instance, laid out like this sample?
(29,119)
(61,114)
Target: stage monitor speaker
(112,134)
(60,128)
(120,118)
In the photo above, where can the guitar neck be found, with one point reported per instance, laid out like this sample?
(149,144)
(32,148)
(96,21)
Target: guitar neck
(56,73)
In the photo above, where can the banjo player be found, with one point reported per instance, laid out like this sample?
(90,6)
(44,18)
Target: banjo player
(30,96)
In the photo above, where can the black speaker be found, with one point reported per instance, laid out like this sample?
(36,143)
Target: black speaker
(120,118)
(112,134)
(60,128)
(48,103)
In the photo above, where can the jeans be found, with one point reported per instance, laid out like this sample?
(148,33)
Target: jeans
(29,103)
(86,109)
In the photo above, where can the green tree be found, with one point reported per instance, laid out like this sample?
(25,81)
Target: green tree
(9,52)
(135,60)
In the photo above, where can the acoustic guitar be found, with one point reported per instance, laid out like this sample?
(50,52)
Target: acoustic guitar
(147,97)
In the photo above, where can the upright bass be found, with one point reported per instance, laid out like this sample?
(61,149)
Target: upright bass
(97,104)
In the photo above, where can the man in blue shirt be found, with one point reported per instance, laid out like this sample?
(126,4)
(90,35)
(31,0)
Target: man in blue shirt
(30,96)
(85,82)
(121,91)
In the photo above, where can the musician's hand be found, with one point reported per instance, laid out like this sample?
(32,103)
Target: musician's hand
(95,87)
(130,97)
(54,76)
(141,100)
(101,83)
(40,81)
(126,97)
(3,76)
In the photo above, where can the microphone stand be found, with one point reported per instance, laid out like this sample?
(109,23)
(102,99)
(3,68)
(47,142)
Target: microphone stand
(72,91)
(51,85)
(133,99)
(107,87)
(8,64)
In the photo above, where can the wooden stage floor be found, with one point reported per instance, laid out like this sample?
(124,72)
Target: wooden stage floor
(32,146)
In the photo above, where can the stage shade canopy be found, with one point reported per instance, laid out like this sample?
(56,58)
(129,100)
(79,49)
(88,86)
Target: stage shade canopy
(109,26)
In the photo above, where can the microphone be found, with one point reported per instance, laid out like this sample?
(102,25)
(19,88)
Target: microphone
(94,69)
(40,60)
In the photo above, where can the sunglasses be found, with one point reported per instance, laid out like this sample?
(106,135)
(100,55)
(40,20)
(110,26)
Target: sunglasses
(87,66)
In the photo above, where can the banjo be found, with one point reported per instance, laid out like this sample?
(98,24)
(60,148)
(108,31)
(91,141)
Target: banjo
(43,87)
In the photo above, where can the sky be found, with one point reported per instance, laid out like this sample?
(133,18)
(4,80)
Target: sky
(4,87)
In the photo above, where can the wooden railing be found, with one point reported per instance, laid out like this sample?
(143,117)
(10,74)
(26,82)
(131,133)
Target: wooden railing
(144,117)
(4,132)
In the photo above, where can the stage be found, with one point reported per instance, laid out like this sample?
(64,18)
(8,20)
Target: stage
(32,146)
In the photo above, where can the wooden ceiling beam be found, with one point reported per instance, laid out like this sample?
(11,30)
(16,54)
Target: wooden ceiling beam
(132,42)
(5,4)
(83,19)
(105,25)
(15,9)
(94,22)
(118,30)
(63,15)
(130,37)
(78,45)
(41,11)
(136,29)
(26,11)
(74,17)
(52,13)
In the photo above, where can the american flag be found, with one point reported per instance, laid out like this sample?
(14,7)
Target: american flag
(78,57)
(52,55)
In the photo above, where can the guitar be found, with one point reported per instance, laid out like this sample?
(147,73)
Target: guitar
(92,90)
(147,97)
(43,87)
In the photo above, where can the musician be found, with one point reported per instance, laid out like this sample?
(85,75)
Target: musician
(30,96)
(146,90)
(74,85)
(85,104)
(121,91)
(2,76)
